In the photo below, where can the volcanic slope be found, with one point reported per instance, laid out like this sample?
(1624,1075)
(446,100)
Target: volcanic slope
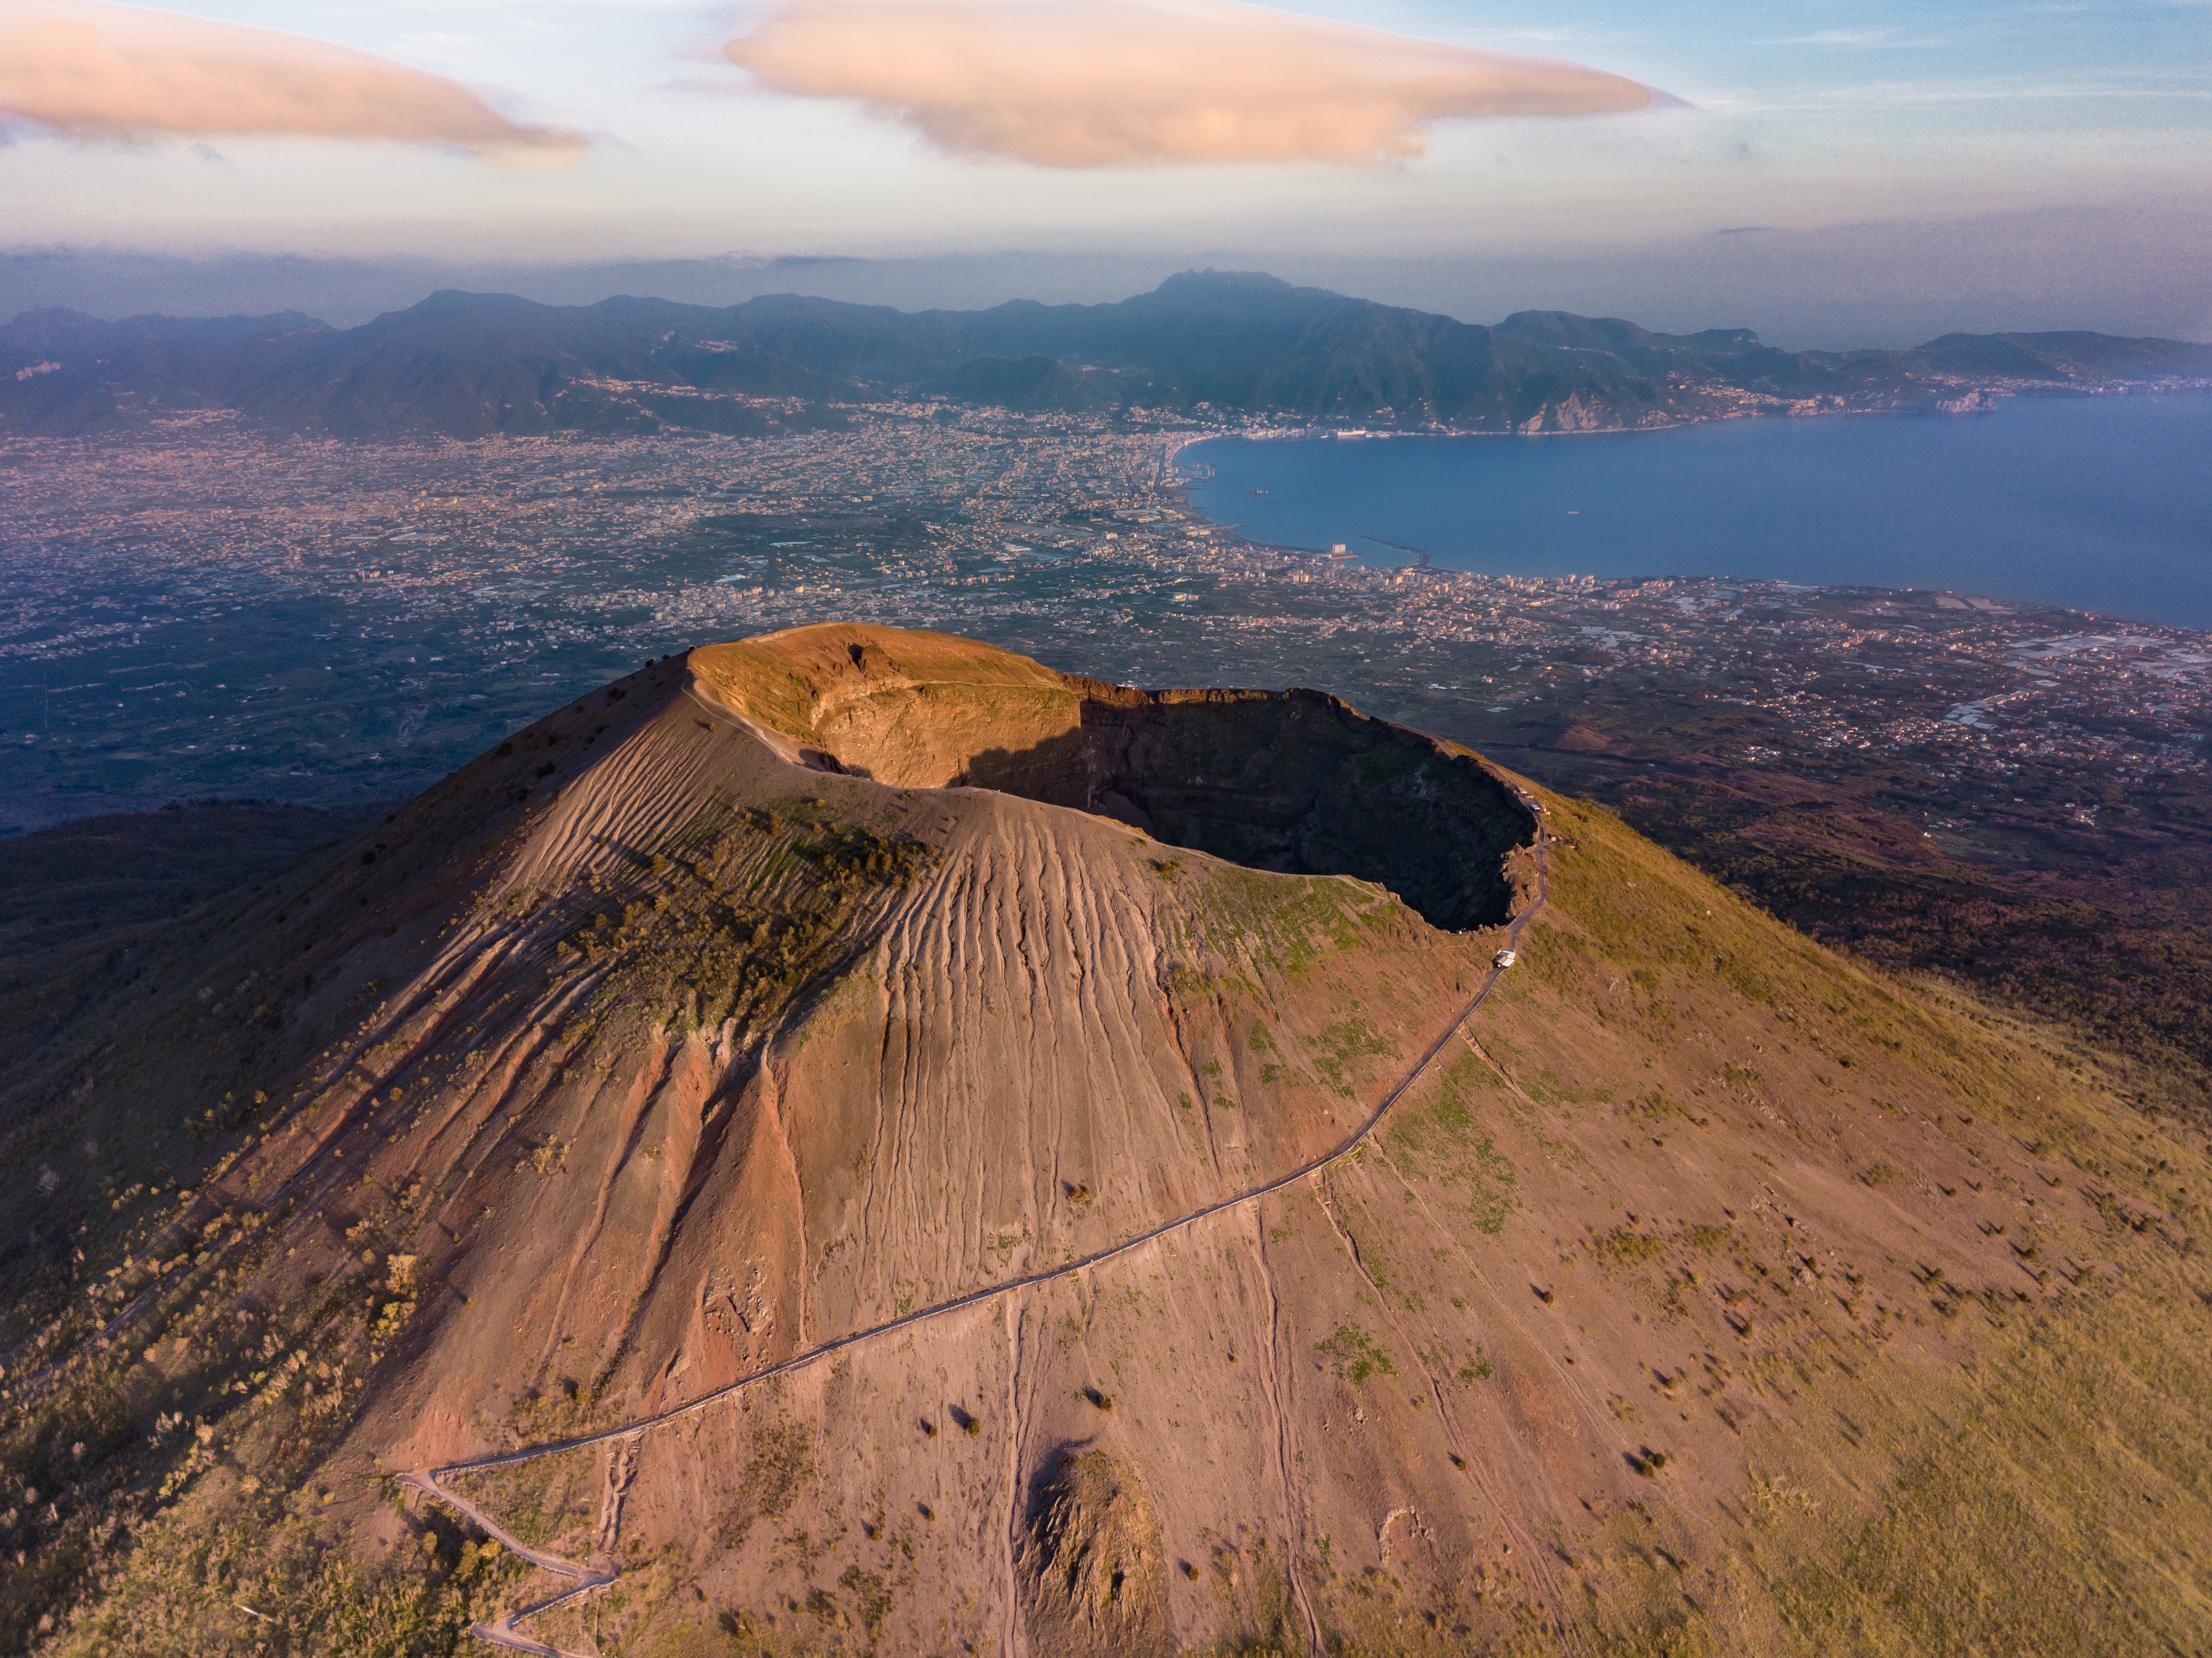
(1695,1292)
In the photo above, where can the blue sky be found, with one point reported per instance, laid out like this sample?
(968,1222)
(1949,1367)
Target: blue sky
(1803,116)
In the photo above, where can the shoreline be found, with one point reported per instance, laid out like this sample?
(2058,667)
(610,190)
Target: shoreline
(1973,512)
(1978,401)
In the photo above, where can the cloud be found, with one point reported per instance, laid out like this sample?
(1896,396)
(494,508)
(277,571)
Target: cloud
(114,73)
(1834,38)
(1079,83)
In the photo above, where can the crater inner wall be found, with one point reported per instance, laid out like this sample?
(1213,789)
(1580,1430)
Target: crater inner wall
(1293,781)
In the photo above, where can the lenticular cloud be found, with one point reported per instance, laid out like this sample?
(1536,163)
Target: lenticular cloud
(99,71)
(1077,83)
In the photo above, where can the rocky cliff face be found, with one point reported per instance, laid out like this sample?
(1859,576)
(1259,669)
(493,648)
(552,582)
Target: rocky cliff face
(934,1155)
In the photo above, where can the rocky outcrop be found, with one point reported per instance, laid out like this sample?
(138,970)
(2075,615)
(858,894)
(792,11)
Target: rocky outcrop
(1094,1570)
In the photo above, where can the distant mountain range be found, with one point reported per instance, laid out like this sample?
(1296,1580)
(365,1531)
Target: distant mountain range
(1239,344)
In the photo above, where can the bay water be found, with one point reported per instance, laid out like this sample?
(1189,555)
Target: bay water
(2101,504)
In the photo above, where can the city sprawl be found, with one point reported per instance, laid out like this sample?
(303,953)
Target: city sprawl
(220,614)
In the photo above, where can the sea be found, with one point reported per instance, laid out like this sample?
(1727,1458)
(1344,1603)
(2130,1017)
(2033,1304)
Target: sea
(2101,504)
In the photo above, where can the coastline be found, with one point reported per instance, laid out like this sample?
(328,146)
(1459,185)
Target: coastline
(2084,503)
(1981,400)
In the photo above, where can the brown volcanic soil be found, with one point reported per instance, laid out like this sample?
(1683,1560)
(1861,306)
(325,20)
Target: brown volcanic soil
(1707,1294)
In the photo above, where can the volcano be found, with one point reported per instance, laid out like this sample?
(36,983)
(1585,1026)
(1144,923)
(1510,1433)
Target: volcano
(853,1140)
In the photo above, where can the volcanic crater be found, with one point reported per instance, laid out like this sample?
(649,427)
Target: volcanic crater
(1296,782)
(741,1168)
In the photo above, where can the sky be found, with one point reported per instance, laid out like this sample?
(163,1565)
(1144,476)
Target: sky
(546,130)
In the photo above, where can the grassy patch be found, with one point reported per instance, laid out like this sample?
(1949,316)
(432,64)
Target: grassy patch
(1354,1355)
(1341,1046)
(1622,1247)
(2064,1514)
(1442,1138)
(778,1466)
(541,1501)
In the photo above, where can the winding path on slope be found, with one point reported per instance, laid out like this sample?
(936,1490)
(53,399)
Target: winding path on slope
(602,1569)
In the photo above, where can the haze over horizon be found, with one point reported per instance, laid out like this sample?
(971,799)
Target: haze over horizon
(1873,177)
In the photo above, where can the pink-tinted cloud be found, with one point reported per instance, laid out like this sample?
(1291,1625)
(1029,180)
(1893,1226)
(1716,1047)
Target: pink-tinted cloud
(1077,83)
(99,71)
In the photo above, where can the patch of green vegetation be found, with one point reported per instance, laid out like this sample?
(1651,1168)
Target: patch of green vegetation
(1622,1247)
(1561,965)
(1289,923)
(1643,911)
(856,856)
(2060,1514)
(540,1500)
(1656,1105)
(872,1598)
(1546,1089)
(244,1574)
(1442,1138)
(1342,1045)
(749,915)
(562,1409)
(209,1406)
(778,1466)
(1354,1355)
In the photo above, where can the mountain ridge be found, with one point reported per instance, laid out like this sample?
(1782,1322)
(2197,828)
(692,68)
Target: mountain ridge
(1229,344)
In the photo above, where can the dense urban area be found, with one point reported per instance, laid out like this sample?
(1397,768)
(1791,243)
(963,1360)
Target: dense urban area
(217,613)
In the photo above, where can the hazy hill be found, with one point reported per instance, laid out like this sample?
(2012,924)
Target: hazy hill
(1005,1041)
(467,365)
(2068,356)
(53,329)
(63,372)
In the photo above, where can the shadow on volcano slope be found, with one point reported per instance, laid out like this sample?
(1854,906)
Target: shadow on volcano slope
(1295,781)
